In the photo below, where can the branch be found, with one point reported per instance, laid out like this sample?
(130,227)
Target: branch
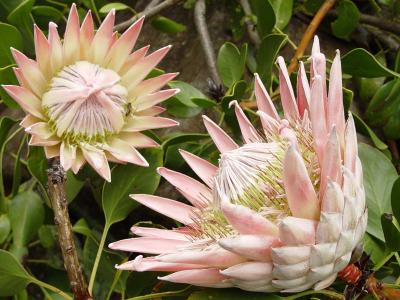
(251,28)
(201,26)
(56,181)
(383,37)
(149,11)
(380,23)
(309,33)
(395,153)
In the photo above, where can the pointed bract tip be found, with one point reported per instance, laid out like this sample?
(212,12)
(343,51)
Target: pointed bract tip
(233,103)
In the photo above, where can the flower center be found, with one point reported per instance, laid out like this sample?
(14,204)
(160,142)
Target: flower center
(85,102)
(252,176)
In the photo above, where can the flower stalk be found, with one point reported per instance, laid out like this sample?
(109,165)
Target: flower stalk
(56,185)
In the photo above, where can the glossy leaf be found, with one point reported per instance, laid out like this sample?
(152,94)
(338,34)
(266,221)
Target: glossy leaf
(177,109)
(379,176)
(182,138)
(47,236)
(7,77)
(113,5)
(359,62)
(10,37)
(5,227)
(230,64)
(37,164)
(347,20)
(267,54)
(283,12)
(391,232)
(363,128)
(106,271)
(130,179)
(13,277)
(26,216)
(73,186)
(187,92)
(395,197)
(231,294)
(21,17)
(167,25)
(265,14)
(375,248)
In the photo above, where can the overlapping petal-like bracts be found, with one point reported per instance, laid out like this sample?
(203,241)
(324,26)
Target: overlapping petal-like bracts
(87,97)
(284,212)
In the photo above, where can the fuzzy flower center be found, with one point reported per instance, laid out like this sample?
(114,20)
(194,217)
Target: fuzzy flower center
(252,176)
(85,102)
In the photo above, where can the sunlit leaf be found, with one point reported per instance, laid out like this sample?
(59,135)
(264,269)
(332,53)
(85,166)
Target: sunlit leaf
(379,176)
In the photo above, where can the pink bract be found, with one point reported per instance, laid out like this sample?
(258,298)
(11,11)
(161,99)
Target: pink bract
(283,212)
(87,98)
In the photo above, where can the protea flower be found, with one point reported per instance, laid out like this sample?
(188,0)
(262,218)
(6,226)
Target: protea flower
(87,98)
(283,212)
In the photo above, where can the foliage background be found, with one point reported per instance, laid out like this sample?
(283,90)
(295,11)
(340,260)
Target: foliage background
(367,34)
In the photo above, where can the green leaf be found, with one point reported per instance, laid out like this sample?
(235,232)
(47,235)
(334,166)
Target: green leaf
(4,228)
(359,62)
(13,277)
(73,186)
(204,102)
(6,123)
(82,227)
(367,87)
(347,21)
(7,76)
(44,13)
(180,110)
(181,105)
(230,64)
(167,25)
(231,294)
(391,232)
(47,236)
(106,270)
(182,138)
(363,128)
(37,164)
(130,179)
(375,248)
(283,12)
(22,18)
(10,37)
(266,57)
(395,197)
(114,5)
(313,5)
(26,216)
(265,14)
(187,92)
(379,176)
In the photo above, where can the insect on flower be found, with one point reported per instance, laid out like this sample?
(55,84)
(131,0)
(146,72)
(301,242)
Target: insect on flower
(282,212)
(87,97)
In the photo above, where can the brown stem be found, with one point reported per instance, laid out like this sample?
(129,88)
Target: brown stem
(201,26)
(149,11)
(309,33)
(251,28)
(56,182)
(378,22)
(395,153)
(383,37)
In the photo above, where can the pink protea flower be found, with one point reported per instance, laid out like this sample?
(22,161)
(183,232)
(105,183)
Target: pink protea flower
(87,98)
(284,212)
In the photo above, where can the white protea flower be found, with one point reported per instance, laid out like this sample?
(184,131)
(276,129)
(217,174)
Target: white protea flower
(284,212)
(87,97)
